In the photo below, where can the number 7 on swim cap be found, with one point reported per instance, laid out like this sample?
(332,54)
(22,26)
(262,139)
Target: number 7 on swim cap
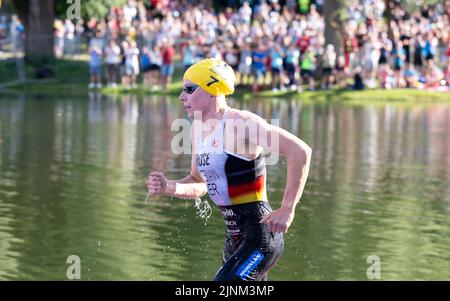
(213,75)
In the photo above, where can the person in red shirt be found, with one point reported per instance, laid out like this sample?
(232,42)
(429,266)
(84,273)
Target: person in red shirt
(167,68)
(303,43)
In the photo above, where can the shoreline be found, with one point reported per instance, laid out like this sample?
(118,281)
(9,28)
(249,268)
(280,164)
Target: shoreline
(57,87)
(71,78)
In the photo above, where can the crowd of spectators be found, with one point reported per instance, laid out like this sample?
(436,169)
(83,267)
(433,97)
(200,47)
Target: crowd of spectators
(271,44)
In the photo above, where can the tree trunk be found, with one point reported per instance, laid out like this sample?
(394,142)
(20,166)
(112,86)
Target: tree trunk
(39,29)
(333,24)
(388,15)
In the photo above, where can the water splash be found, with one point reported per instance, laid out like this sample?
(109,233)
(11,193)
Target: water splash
(204,210)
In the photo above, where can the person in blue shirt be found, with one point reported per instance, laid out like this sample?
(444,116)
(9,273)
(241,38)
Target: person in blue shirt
(276,62)
(95,67)
(259,57)
(411,77)
(398,54)
(145,63)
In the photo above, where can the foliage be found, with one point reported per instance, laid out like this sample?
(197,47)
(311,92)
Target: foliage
(89,8)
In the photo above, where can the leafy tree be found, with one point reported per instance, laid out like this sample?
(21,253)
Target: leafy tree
(38,17)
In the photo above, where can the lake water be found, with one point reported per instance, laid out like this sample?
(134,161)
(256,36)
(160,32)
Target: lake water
(73,173)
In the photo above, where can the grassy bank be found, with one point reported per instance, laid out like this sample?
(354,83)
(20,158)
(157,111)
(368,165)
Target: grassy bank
(70,77)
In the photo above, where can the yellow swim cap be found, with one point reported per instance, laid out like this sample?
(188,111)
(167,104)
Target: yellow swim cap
(213,75)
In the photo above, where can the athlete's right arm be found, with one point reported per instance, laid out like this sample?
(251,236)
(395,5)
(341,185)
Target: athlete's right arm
(191,186)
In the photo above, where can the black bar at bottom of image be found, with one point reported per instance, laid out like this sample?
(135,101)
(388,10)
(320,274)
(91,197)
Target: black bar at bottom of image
(220,290)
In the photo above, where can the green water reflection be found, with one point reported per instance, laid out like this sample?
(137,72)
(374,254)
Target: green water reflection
(73,172)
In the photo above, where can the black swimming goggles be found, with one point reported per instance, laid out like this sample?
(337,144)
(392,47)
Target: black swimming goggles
(190,89)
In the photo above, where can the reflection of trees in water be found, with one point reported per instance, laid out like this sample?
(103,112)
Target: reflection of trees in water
(168,218)
(72,173)
(375,163)
(158,113)
(39,211)
(374,169)
(11,114)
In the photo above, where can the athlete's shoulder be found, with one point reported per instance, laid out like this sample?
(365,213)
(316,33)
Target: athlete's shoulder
(243,115)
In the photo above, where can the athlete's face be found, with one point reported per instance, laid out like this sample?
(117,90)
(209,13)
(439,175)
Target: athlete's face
(194,98)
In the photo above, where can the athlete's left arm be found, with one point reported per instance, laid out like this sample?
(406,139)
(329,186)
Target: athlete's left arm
(298,155)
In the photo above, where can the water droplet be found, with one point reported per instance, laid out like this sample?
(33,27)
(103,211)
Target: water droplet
(203,209)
